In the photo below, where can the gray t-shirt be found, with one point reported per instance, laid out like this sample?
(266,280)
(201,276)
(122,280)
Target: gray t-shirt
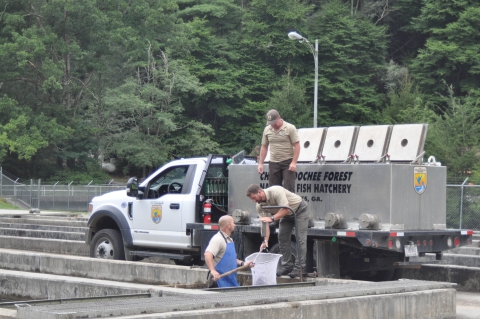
(281,142)
(278,196)
(217,246)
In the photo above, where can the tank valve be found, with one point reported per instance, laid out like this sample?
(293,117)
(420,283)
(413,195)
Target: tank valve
(368,221)
(333,220)
(241,216)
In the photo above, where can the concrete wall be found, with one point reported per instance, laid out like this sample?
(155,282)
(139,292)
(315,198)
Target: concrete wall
(467,278)
(138,272)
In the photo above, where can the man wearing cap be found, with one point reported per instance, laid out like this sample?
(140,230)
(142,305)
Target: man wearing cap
(282,137)
(279,196)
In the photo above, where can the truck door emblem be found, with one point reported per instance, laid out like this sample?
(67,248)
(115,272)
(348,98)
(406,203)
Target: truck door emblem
(157,214)
(420,179)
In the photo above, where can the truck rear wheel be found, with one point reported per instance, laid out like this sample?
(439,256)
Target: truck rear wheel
(107,244)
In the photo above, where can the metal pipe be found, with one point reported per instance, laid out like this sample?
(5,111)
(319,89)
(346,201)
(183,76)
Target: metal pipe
(68,197)
(31,185)
(38,192)
(296,36)
(315,98)
(88,194)
(461,201)
(54,194)
(15,191)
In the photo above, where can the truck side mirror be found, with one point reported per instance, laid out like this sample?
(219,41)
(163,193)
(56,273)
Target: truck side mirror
(132,187)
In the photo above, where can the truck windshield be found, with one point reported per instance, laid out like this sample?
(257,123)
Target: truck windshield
(169,181)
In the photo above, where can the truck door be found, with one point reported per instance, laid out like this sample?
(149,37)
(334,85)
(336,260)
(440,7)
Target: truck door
(157,217)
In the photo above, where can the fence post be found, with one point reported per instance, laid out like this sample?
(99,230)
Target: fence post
(31,186)
(38,198)
(88,194)
(15,192)
(461,201)
(54,185)
(68,197)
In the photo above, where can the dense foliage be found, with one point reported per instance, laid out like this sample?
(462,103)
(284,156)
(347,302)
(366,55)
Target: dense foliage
(137,83)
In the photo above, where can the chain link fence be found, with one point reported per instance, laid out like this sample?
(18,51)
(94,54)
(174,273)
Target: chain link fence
(463,206)
(34,194)
(463,201)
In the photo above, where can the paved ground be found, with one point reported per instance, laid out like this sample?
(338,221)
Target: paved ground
(468,305)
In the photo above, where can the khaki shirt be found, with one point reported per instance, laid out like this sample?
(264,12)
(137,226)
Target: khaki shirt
(278,196)
(281,141)
(217,246)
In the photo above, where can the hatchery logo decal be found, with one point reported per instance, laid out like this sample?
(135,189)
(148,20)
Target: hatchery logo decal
(156,214)
(420,179)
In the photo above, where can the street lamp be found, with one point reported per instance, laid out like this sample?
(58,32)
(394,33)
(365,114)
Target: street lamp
(295,36)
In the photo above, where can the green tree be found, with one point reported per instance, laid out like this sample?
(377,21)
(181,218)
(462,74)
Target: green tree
(234,78)
(49,50)
(406,104)
(451,50)
(351,59)
(143,117)
(455,135)
(289,99)
(24,133)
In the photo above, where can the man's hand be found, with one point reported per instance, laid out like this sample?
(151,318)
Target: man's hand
(215,275)
(249,263)
(260,168)
(292,167)
(265,219)
(264,245)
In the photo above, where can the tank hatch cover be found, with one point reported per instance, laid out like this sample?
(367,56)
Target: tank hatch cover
(372,142)
(407,141)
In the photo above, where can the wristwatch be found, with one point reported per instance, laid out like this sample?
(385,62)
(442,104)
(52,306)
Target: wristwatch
(273,219)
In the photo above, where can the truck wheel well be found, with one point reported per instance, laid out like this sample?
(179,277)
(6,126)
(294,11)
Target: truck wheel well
(105,222)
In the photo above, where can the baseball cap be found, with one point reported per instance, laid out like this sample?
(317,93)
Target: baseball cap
(272,116)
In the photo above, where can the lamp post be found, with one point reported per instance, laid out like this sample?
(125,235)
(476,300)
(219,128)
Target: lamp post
(295,36)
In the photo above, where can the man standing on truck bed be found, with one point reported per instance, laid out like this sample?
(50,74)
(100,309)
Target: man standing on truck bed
(284,151)
(220,254)
(279,196)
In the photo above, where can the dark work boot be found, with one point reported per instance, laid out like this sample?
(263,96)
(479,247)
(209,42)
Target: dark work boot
(283,272)
(296,273)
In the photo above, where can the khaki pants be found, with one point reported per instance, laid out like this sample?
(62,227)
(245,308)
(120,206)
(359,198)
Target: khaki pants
(278,172)
(284,236)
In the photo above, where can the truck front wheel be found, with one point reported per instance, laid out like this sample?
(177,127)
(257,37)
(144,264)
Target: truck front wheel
(107,244)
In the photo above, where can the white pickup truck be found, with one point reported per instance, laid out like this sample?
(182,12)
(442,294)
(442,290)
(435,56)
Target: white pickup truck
(151,221)
(367,219)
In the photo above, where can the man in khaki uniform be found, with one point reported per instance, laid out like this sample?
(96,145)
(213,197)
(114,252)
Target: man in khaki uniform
(282,137)
(279,196)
